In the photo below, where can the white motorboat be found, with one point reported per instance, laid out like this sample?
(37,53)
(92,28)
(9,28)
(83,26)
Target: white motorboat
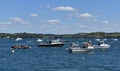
(102,45)
(115,39)
(79,49)
(76,48)
(39,40)
(17,39)
(97,39)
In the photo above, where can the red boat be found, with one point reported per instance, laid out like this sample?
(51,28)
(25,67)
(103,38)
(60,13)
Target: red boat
(20,47)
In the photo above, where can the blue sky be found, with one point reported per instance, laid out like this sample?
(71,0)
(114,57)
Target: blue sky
(59,16)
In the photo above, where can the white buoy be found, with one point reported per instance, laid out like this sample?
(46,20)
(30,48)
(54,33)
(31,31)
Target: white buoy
(12,51)
(29,47)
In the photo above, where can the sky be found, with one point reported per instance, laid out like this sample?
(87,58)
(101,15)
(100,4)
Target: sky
(59,16)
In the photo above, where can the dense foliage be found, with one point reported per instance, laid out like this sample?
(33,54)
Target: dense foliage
(78,35)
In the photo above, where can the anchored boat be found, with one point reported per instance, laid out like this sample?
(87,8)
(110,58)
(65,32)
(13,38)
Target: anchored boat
(76,48)
(53,43)
(102,45)
(20,47)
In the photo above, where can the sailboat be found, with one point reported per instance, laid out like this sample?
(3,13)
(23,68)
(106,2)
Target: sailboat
(98,39)
(105,37)
(102,44)
(114,37)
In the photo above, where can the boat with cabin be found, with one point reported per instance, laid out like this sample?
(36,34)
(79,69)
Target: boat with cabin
(87,47)
(102,45)
(52,43)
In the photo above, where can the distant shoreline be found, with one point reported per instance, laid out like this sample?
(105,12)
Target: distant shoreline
(78,35)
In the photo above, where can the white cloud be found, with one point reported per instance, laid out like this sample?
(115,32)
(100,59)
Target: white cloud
(63,8)
(45,26)
(82,26)
(6,23)
(18,20)
(86,15)
(53,21)
(34,15)
(105,22)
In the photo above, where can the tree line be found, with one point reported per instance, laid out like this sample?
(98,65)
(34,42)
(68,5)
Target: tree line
(78,35)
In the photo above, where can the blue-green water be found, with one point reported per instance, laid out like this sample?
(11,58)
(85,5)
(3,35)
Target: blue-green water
(58,59)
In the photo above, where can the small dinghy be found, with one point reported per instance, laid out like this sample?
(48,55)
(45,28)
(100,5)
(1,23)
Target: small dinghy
(20,47)
(76,48)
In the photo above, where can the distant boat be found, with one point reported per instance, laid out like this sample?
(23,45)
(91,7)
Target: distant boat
(98,35)
(39,40)
(53,43)
(115,39)
(20,47)
(102,45)
(97,39)
(17,39)
(6,37)
(105,39)
(76,48)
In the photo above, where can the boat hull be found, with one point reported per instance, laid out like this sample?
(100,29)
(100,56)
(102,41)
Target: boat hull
(102,47)
(20,47)
(80,49)
(50,45)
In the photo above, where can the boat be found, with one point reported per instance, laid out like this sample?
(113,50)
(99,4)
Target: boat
(114,37)
(20,47)
(53,43)
(17,39)
(39,40)
(76,48)
(97,39)
(102,45)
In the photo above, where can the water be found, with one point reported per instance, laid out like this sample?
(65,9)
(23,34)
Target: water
(58,59)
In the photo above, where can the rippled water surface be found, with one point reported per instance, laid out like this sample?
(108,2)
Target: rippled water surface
(58,59)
